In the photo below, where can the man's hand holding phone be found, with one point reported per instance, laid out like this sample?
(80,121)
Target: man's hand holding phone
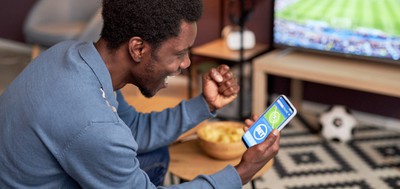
(256,157)
(262,137)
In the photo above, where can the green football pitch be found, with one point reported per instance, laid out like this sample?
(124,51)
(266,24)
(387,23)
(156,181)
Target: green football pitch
(383,15)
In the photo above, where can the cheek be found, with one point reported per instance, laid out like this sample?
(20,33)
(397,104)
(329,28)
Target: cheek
(163,66)
(154,75)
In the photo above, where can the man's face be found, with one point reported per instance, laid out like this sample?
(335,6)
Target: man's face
(168,60)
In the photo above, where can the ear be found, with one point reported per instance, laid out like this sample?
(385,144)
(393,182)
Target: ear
(135,48)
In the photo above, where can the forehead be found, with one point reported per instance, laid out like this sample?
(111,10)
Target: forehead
(184,40)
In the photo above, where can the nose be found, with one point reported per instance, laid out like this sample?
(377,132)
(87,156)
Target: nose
(186,62)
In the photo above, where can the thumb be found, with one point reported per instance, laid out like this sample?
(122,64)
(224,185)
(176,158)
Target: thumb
(215,75)
(270,140)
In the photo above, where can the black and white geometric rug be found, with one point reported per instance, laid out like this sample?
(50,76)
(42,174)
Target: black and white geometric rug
(371,160)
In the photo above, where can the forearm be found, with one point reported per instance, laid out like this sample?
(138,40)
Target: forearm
(247,171)
(157,129)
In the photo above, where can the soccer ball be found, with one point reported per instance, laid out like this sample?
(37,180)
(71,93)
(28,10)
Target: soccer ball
(337,123)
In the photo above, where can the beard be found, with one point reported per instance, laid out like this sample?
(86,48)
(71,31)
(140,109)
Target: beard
(149,91)
(148,85)
(146,93)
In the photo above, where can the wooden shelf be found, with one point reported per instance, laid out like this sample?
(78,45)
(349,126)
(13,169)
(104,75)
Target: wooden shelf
(336,71)
(217,49)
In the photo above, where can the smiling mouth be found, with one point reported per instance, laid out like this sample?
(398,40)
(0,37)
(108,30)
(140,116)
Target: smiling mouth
(167,79)
(178,72)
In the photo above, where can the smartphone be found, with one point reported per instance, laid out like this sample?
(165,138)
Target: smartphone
(276,116)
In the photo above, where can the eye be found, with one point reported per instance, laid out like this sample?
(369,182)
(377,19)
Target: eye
(181,55)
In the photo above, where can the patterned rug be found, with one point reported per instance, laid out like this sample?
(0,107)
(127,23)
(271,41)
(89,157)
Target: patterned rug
(371,160)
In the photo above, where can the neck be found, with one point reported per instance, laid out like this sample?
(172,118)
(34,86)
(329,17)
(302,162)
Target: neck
(117,63)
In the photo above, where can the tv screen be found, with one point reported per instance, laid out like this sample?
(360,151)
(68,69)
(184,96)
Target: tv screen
(363,28)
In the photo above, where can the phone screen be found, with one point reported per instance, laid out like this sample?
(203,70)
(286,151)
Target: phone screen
(277,115)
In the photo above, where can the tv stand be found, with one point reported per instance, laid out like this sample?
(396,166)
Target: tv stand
(324,69)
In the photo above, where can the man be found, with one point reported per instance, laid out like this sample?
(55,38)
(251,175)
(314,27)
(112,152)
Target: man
(64,122)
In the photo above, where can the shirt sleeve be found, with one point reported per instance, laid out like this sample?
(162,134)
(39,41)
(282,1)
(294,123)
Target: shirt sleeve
(226,178)
(157,129)
(103,155)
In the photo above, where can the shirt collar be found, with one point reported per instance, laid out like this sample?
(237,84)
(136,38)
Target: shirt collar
(91,56)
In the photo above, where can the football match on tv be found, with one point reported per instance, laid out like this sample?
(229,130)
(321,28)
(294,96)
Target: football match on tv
(369,28)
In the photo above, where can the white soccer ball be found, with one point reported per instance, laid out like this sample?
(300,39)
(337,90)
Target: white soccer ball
(337,123)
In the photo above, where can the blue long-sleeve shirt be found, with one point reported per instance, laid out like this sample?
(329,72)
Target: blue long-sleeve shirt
(63,126)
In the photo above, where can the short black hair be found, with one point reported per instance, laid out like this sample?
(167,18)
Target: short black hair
(153,20)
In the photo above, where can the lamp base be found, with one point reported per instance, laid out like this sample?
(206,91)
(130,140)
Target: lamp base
(232,37)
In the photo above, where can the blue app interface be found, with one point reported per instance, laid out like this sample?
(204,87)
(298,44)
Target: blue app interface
(273,118)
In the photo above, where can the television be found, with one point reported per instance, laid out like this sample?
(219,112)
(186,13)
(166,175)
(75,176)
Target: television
(367,29)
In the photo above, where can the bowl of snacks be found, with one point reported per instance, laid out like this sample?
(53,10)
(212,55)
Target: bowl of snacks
(222,139)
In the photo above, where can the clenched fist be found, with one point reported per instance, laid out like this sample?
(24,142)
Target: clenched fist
(219,87)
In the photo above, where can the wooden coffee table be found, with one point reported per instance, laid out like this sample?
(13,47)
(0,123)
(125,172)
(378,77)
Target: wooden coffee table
(188,161)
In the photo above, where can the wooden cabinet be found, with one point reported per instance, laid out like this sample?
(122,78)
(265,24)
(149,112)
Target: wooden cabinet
(328,70)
